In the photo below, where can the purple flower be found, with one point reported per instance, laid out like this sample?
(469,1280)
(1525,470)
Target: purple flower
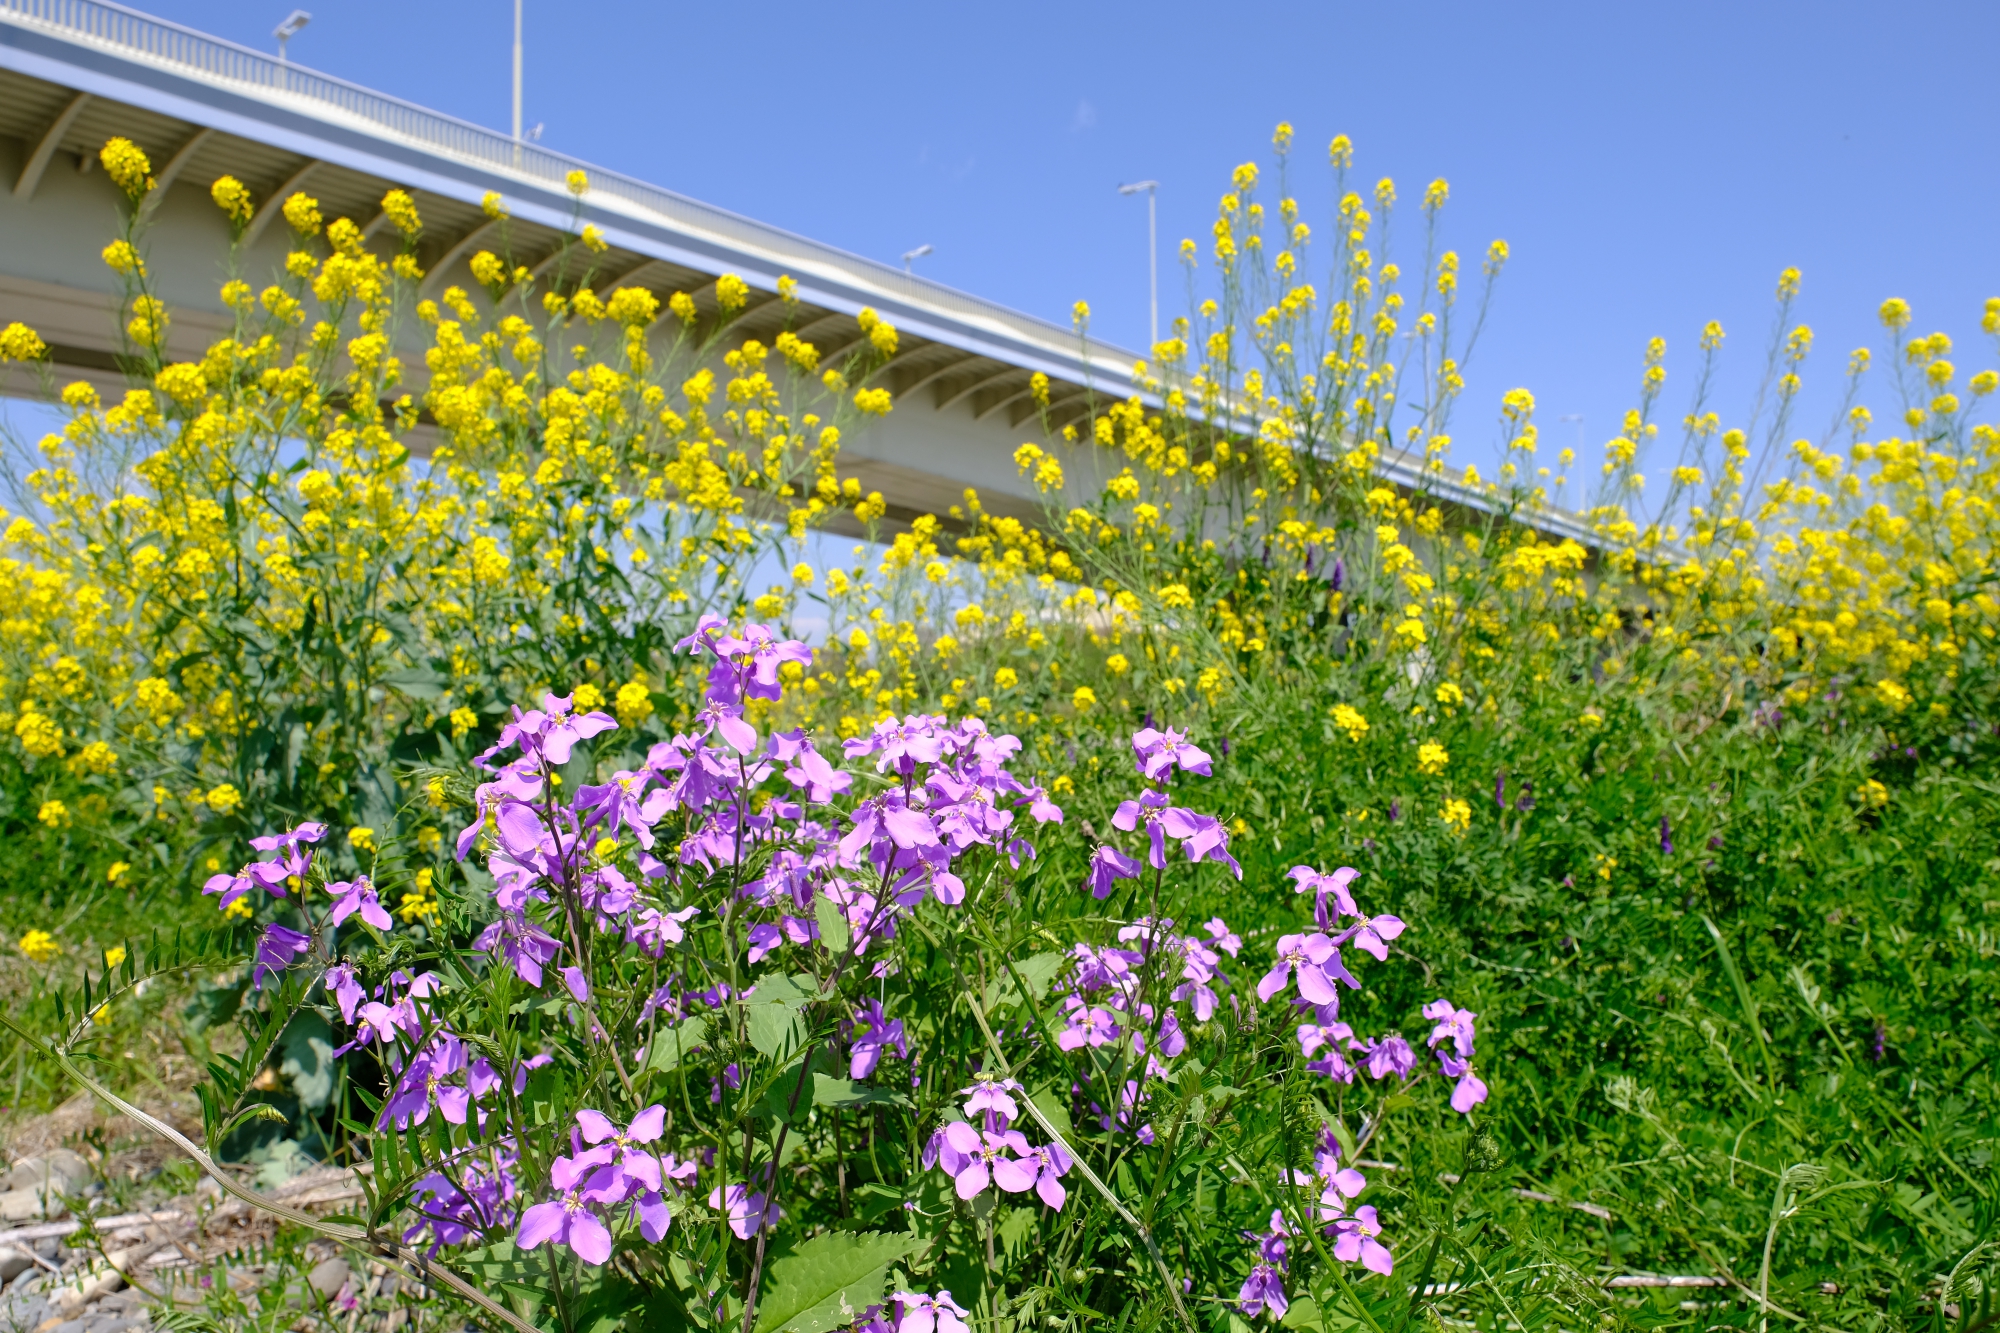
(524,945)
(622,1149)
(811,773)
(1308,955)
(1263,1292)
(874,1033)
(1225,939)
(568,1219)
(971,1154)
(1088,1026)
(1160,751)
(1666,836)
(359,896)
(551,732)
(346,991)
(1453,1023)
(306,832)
(1108,865)
(1041,1170)
(1389,1055)
(748,1213)
(1470,1090)
(988,1096)
(1373,934)
(1354,1239)
(931,1314)
(277,950)
(1326,887)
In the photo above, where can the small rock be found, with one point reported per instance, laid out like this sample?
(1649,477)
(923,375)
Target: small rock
(329,1276)
(13,1263)
(20,1205)
(60,1171)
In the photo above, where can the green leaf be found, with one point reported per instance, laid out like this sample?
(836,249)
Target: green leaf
(416,682)
(833,931)
(829,1280)
(307,1051)
(1055,1108)
(1304,1313)
(1037,971)
(676,1044)
(828,1091)
(777,1029)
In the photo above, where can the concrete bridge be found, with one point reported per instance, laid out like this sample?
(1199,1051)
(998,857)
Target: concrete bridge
(73,73)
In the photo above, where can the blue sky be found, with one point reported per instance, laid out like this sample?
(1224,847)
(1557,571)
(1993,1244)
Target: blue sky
(1651,166)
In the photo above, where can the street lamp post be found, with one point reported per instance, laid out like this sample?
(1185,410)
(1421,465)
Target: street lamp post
(1152,189)
(289,29)
(517,72)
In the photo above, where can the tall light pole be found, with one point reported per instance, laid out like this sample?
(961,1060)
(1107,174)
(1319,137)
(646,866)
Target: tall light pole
(289,29)
(1152,189)
(918,253)
(517,77)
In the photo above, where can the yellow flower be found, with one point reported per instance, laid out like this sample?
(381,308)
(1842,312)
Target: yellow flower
(1591,717)
(873,402)
(361,838)
(1457,816)
(593,240)
(1117,664)
(39,735)
(55,814)
(1349,720)
(114,955)
(401,210)
(1080,313)
(239,910)
(1872,794)
(587,697)
(302,214)
(233,198)
(1432,758)
(18,342)
(635,703)
(40,946)
(125,162)
(1005,678)
(117,871)
(463,722)
(577,183)
(101,1014)
(1450,695)
(1084,697)
(120,257)
(491,205)
(224,799)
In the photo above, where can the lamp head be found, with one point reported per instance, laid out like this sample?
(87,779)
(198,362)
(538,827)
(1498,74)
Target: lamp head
(294,21)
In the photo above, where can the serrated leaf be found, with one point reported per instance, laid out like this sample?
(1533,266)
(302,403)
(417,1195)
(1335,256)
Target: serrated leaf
(833,928)
(674,1045)
(1037,971)
(829,1280)
(777,1029)
(828,1091)
(1054,1108)
(308,1059)
(417,682)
